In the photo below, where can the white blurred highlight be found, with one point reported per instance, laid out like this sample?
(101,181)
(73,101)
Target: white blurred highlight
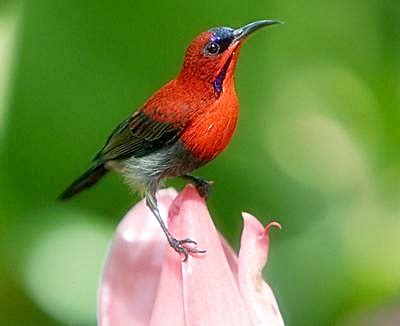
(321,126)
(317,151)
(62,269)
(8,32)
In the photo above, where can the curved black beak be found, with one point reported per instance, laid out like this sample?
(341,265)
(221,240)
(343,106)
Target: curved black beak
(242,32)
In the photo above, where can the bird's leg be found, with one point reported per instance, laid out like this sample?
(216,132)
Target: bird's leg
(177,245)
(203,187)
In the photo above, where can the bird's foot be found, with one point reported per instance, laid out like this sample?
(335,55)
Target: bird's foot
(203,186)
(178,246)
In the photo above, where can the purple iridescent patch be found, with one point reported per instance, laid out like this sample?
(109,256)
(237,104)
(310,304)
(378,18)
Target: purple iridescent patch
(221,76)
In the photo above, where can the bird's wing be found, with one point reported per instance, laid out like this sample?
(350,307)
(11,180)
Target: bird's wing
(138,136)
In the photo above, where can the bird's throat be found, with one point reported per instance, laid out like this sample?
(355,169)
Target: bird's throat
(218,82)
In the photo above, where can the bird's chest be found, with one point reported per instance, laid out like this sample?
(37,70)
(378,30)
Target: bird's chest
(210,132)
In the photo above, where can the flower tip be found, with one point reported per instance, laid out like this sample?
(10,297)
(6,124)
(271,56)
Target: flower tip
(191,191)
(271,225)
(255,224)
(248,217)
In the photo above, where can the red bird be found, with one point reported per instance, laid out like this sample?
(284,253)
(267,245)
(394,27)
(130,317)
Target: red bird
(184,125)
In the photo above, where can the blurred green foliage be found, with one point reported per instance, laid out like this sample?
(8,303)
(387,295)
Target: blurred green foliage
(317,147)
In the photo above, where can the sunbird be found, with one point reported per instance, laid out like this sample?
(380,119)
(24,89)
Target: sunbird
(182,126)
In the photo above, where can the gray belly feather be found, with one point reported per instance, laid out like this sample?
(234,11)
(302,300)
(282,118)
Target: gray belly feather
(145,173)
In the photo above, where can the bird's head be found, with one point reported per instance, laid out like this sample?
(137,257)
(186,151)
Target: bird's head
(212,55)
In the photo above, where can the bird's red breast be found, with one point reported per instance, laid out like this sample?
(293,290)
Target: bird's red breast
(208,134)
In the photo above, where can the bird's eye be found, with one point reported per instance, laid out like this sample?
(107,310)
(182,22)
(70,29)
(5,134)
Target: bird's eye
(211,49)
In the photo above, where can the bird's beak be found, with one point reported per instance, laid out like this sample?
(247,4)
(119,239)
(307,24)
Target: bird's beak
(242,32)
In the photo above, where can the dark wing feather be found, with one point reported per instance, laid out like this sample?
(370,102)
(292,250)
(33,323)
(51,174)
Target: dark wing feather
(138,136)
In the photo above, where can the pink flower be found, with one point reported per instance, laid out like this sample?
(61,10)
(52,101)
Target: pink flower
(145,282)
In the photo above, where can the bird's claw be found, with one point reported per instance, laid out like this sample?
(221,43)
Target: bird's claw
(187,240)
(204,188)
(178,246)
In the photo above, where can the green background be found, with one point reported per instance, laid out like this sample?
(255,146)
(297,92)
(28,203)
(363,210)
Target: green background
(317,147)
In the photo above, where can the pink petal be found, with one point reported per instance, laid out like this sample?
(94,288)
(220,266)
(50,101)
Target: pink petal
(168,307)
(210,292)
(257,294)
(133,267)
(230,256)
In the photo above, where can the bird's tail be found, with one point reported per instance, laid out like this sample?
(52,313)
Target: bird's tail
(86,180)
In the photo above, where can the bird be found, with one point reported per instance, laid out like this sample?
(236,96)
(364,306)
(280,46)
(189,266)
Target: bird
(185,124)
